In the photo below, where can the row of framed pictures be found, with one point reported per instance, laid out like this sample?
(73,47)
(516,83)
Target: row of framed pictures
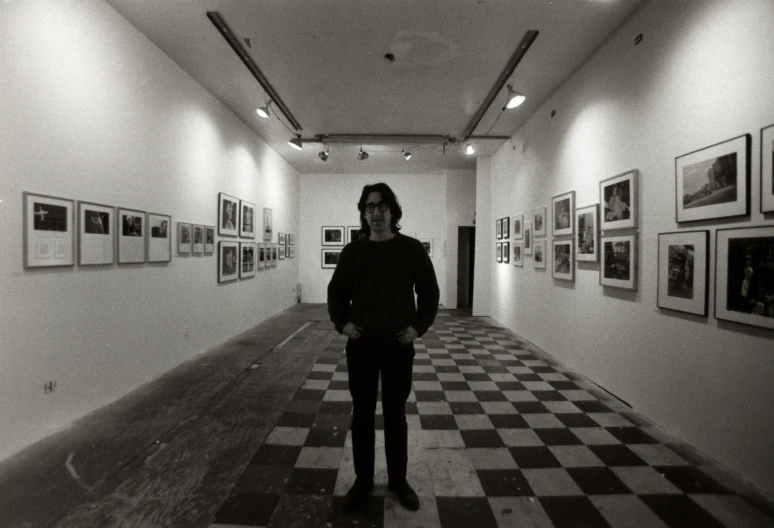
(241,260)
(335,235)
(195,239)
(104,233)
(237,218)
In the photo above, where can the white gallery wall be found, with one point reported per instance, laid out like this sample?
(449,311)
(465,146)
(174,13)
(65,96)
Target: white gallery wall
(331,200)
(91,110)
(702,74)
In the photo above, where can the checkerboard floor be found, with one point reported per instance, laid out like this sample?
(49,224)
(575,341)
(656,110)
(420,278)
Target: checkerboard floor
(500,435)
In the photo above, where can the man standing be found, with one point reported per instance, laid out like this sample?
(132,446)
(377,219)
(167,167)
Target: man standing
(371,301)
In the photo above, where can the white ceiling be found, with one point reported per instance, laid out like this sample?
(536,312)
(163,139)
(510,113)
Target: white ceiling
(325,58)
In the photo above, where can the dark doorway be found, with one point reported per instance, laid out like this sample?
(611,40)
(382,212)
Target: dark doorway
(466,253)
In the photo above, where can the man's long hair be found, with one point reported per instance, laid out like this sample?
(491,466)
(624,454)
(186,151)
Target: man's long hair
(389,198)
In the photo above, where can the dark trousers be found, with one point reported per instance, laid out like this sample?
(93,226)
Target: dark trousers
(367,356)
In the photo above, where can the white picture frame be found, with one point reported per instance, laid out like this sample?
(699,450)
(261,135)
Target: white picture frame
(96,234)
(518,227)
(268,224)
(159,237)
(563,214)
(49,231)
(228,261)
(333,236)
(540,256)
(209,239)
(228,215)
(518,253)
(618,201)
(184,238)
(261,256)
(587,233)
(131,229)
(767,169)
(428,244)
(329,258)
(197,235)
(528,240)
(618,268)
(539,222)
(247,259)
(562,261)
(246,219)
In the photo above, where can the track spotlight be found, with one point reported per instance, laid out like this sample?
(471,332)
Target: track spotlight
(263,111)
(470,149)
(406,155)
(362,155)
(324,155)
(296,143)
(514,98)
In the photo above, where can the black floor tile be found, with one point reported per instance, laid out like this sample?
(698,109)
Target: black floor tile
(528,377)
(289,419)
(617,455)
(557,436)
(447,369)
(691,480)
(534,457)
(331,421)
(530,407)
(495,369)
(326,438)
(598,481)
(455,385)
(315,395)
(430,396)
(564,385)
(490,396)
(679,511)
(317,375)
(510,385)
(631,435)
(476,376)
(508,421)
(438,421)
(332,360)
(465,512)
(481,438)
(466,408)
(425,376)
(465,362)
(335,407)
(548,395)
(573,512)
(338,385)
(411,408)
(276,455)
(379,422)
(302,511)
(247,509)
(263,480)
(576,420)
(592,406)
(543,370)
(312,481)
(422,361)
(503,482)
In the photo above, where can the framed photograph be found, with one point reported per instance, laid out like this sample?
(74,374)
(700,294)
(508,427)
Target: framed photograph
(518,227)
(499,229)
(292,252)
(228,215)
(333,236)
(209,239)
(353,233)
(268,224)
(563,263)
(246,219)
(96,236)
(506,250)
(198,239)
(683,277)
(274,254)
(744,276)
(131,236)
(184,237)
(498,251)
(291,239)
(528,242)
(518,253)
(618,201)
(619,262)
(714,182)
(282,250)
(427,243)
(330,257)
(247,260)
(261,256)
(281,239)
(49,231)
(563,212)
(587,235)
(160,239)
(228,261)
(539,259)
(539,222)
(767,169)
(506,227)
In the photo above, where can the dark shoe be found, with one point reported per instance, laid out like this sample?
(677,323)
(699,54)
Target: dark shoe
(357,495)
(406,495)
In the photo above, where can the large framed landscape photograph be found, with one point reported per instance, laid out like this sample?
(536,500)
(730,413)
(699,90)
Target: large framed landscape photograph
(132,230)
(228,261)
(744,276)
(563,263)
(228,215)
(587,236)
(618,201)
(619,262)
(683,277)
(767,169)
(246,219)
(714,182)
(49,231)
(563,212)
(96,234)
(160,239)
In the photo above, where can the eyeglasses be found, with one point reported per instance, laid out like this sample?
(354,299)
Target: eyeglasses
(370,207)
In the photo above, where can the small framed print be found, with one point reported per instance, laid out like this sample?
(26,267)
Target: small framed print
(261,256)
(228,214)
(563,263)
(96,234)
(291,239)
(292,252)
(683,276)
(539,258)
(184,238)
(539,222)
(499,251)
(618,201)
(246,219)
(282,251)
(563,207)
(767,169)
(619,262)
(160,239)
(281,239)
(518,253)
(330,257)
(209,239)
(353,233)
(506,222)
(714,182)
(198,239)
(228,261)
(506,251)
(744,276)
(49,231)
(518,227)
(499,229)
(528,242)
(427,243)
(268,224)
(587,235)
(247,260)
(274,254)
(131,236)
(333,236)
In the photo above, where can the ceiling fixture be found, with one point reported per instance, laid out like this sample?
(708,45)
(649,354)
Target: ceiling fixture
(362,155)
(263,111)
(296,142)
(514,98)
(470,149)
(406,155)
(324,155)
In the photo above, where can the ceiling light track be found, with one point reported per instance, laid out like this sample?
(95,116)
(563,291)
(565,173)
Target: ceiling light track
(526,41)
(220,23)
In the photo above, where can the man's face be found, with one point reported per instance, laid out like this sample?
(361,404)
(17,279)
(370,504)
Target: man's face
(378,221)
